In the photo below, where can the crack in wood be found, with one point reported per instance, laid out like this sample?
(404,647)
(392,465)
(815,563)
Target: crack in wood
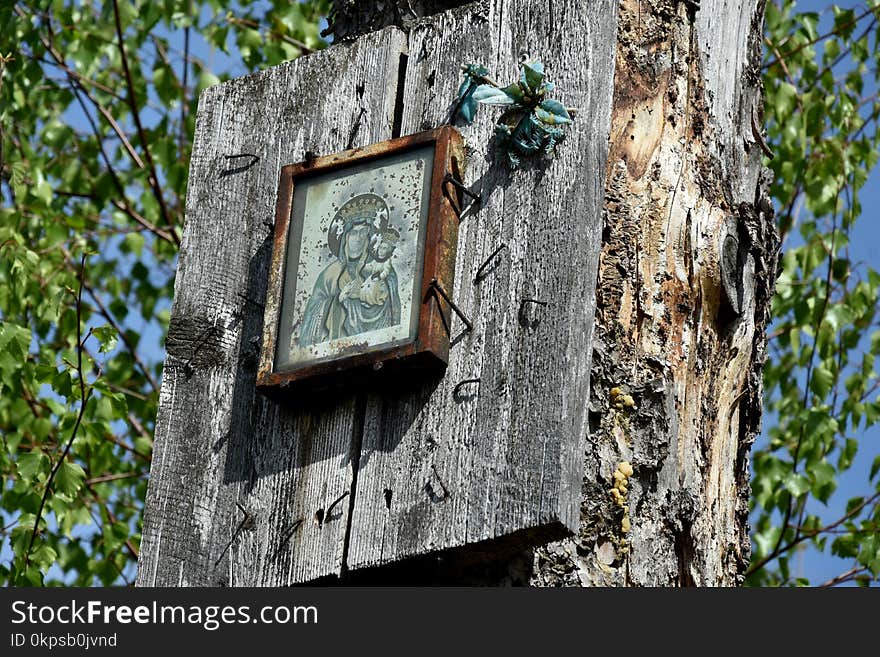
(397,121)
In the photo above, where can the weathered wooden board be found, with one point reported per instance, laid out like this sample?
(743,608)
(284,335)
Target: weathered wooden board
(237,479)
(503,457)
(728,36)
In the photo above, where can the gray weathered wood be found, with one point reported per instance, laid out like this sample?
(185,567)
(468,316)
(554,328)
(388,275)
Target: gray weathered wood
(675,395)
(236,479)
(728,35)
(504,459)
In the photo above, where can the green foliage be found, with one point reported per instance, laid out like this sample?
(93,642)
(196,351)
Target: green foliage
(821,382)
(97,110)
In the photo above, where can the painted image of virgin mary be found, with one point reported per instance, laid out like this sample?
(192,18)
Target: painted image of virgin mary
(357,292)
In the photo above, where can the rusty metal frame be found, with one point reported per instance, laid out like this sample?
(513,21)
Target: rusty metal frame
(430,347)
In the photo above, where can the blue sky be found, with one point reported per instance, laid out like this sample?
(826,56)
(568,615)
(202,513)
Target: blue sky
(809,563)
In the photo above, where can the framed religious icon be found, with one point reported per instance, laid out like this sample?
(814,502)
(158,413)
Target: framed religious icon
(364,250)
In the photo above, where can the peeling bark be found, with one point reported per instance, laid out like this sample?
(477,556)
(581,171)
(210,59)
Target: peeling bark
(682,350)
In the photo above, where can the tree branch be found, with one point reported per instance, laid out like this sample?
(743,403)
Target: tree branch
(112,518)
(77,79)
(122,336)
(846,51)
(275,34)
(109,556)
(122,207)
(112,477)
(117,183)
(844,577)
(142,135)
(810,534)
(184,105)
(85,392)
(817,39)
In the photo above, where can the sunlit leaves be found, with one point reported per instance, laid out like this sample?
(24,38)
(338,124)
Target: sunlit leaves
(69,479)
(30,464)
(820,383)
(88,167)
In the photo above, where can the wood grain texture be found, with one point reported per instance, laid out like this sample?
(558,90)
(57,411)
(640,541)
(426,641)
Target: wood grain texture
(236,479)
(503,458)
(675,395)
(728,36)
(683,174)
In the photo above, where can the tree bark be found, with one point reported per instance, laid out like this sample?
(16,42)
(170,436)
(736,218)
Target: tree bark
(687,271)
(351,18)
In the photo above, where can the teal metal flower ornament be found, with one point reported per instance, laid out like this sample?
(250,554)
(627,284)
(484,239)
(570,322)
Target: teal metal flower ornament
(532,122)
(474,77)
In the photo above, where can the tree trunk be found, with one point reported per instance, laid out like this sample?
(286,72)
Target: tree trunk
(687,271)
(685,276)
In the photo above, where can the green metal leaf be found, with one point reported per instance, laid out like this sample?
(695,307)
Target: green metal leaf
(532,75)
(552,112)
(489,95)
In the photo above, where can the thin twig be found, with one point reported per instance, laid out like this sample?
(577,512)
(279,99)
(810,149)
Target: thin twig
(114,177)
(76,79)
(183,99)
(140,219)
(819,319)
(801,504)
(127,391)
(79,76)
(811,533)
(103,479)
(843,577)
(4,530)
(816,40)
(128,448)
(152,176)
(112,518)
(273,33)
(785,70)
(140,429)
(122,207)
(85,393)
(109,556)
(122,336)
(845,53)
